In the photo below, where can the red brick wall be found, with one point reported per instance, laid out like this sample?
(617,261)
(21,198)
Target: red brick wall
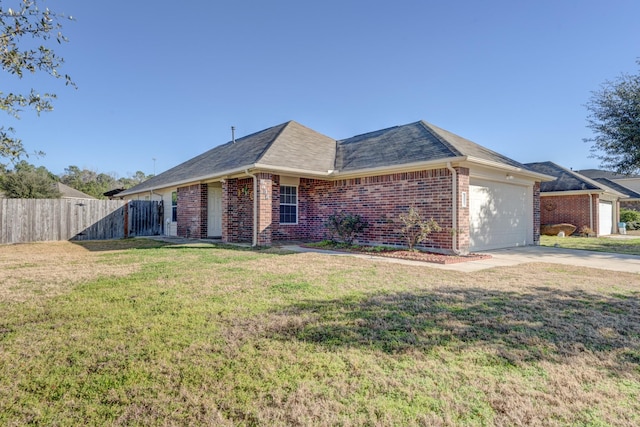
(378,199)
(536,213)
(462,223)
(192,211)
(229,210)
(569,209)
(265,208)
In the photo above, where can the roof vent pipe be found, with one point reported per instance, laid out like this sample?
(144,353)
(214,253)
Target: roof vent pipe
(233,134)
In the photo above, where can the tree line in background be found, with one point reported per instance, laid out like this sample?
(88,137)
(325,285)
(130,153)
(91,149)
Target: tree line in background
(26,181)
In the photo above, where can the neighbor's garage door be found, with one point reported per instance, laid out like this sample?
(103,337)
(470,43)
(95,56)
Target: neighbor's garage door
(499,215)
(605,218)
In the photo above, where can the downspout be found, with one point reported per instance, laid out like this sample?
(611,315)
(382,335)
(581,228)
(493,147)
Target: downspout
(454,207)
(591,212)
(255,208)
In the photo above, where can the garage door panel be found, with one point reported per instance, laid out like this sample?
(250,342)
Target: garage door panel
(605,218)
(498,215)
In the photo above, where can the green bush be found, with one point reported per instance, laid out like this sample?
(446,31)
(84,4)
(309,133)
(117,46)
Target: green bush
(633,225)
(628,215)
(345,226)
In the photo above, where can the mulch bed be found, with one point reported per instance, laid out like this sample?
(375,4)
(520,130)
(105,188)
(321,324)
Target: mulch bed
(415,255)
(430,256)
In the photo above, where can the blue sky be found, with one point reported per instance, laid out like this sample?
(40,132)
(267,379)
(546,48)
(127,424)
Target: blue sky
(167,80)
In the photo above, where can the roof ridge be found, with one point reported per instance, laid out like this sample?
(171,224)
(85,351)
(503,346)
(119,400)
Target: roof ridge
(451,147)
(367,133)
(284,126)
(584,178)
(580,176)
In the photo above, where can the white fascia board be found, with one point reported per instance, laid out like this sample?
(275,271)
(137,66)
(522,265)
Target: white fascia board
(196,180)
(571,193)
(508,168)
(407,167)
(283,170)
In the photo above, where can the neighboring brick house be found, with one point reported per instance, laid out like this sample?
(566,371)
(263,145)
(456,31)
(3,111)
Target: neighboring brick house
(574,198)
(282,183)
(628,185)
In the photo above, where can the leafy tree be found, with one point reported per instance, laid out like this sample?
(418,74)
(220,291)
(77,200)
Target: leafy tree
(21,25)
(137,178)
(614,117)
(26,181)
(96,184)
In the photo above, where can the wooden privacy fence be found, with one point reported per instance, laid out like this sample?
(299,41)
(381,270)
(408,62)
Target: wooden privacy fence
(33,220)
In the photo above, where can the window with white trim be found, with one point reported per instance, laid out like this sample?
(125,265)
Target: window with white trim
(174,206)
(288,204)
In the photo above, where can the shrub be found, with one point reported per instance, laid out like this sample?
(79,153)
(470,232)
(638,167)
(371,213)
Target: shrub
(345,226)
(586,231)
(416,230)
(628,215)
(633,225)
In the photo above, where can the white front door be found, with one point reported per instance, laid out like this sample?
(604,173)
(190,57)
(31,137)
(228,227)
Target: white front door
(605,218)
(214,217)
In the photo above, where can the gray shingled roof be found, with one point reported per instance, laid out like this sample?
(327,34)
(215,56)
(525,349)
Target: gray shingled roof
(566,180)
(597,173)
(287,145)
(415,142)
(619,187)
(293,146)
(71,193)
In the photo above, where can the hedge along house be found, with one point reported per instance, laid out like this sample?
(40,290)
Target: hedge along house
(576,199)
(282,183)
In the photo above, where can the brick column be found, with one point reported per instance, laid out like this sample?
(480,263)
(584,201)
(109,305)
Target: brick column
(536,214)
(462,222)
(192,211)
(229,210)
(265,208)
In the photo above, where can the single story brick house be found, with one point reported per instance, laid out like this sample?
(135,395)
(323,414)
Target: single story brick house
(576,199)
(283,182)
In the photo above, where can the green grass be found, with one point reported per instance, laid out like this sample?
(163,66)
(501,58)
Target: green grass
(213,335)
(599,244)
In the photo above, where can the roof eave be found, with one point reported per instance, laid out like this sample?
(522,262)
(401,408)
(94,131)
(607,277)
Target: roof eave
(406,167)
(292,171)
(208,177)
(571,192)
(503,166)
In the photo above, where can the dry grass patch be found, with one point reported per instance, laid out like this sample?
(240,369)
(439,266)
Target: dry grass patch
(43,270)
(217,336)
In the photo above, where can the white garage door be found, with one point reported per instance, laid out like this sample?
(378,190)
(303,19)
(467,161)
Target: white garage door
(605,218)
(499,215)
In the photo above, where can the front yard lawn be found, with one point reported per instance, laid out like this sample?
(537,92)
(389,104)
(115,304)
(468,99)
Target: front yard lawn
(139,332)
(629,246)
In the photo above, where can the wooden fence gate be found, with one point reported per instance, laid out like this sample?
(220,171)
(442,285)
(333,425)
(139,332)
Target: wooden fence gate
(144,218)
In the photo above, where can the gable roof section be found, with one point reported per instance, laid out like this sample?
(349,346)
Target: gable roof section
(299,147)
(598,173)
(415,142)
(566,180)
(620,188)
(278,146)
(71,193)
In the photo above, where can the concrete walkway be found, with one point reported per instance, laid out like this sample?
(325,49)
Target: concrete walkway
(515,256)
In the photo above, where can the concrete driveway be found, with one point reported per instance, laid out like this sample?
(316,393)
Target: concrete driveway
(579,258)
(515,256)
